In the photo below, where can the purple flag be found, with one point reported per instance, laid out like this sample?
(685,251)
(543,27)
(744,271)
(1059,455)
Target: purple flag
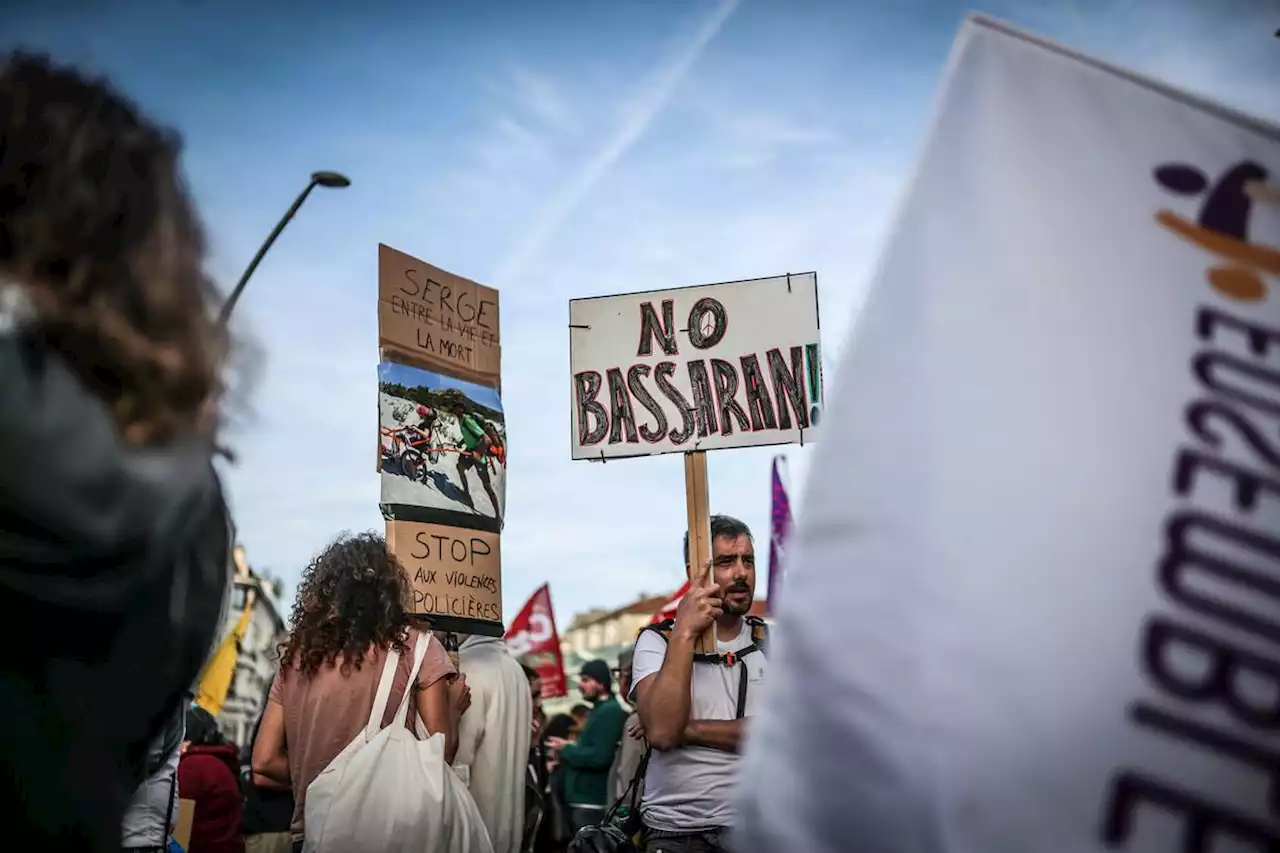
(780,529)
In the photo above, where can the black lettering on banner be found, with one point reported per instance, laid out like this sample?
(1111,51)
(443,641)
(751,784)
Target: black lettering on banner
(650,328)
(1219,680)
(791,383)
(458,550)
(1201,412)
(426,549)
(1260,337)
(422,575)
(477,545)
(703,404)
(424,340)
(417,288)
(1204,820)
(1181,557)
(1225,744)
(662,378)
(657,432)
(586,387)
(1248,484)
(726,384)
(708,321)
(624,416)
(1204,365)
(759,403)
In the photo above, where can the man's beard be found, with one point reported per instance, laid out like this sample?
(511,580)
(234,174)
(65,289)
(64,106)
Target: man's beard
(733,608)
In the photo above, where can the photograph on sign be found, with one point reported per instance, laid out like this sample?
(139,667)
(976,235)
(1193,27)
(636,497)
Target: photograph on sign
(443,448)
(695,368)
(455,575)
(437,319)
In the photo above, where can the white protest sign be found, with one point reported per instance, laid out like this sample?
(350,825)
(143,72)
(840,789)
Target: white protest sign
(1038,567)
(695,368)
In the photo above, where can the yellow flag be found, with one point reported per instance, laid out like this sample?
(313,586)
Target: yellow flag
(215,680)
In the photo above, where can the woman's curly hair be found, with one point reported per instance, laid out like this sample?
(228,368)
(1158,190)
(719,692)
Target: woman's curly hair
(351,599)
(96,225)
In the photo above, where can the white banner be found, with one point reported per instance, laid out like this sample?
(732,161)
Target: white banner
(695,368)
(1041,545)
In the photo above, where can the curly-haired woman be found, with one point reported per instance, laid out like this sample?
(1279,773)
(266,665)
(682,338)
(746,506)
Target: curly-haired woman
(111,516)
(349,613)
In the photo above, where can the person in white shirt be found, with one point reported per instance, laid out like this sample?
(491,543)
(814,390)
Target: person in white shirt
(693,708)
(493,738)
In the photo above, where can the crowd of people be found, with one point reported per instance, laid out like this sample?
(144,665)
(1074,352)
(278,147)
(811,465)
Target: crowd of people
(109,332)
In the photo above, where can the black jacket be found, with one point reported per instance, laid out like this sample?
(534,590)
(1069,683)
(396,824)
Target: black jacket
(114,568)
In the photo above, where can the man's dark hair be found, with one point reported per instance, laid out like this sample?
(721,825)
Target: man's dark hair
(98,230)
(721,525)
(580,710)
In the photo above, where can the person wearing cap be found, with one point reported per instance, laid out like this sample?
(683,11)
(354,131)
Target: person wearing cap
(588,760)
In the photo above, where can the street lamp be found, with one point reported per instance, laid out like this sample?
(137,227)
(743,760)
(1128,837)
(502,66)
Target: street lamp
(329,180)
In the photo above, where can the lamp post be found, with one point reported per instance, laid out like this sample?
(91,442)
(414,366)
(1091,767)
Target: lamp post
(329,180)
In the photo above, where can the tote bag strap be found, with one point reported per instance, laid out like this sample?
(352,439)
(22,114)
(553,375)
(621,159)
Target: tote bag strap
(383,695)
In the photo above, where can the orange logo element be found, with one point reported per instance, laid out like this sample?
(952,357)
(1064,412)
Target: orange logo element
(1222,228)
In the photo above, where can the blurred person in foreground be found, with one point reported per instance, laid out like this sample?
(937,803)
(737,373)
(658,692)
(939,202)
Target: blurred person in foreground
(349,613)
(494,737)
(209,775)
(693,707)
(632,747)
(114,536)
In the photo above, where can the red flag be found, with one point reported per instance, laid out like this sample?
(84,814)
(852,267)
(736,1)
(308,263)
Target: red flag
(668,610)
(533,639)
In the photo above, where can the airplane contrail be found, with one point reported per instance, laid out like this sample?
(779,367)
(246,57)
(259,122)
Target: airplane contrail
(642,113)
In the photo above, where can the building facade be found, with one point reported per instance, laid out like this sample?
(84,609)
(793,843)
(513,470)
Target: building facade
(256,662)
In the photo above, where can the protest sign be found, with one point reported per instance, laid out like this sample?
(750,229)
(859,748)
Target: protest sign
(443,449)
(1049,527)
(533,639)
(455,575)
(695,368)
(431,318)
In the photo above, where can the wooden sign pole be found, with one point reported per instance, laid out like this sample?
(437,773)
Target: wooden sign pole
(698,502)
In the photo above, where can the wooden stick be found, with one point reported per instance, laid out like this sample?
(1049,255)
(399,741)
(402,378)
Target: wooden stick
(697,500)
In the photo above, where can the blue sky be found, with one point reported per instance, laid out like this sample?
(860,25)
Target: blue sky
(555,150)
(411,377)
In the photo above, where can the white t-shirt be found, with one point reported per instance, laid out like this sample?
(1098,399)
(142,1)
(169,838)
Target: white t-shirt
(690,789)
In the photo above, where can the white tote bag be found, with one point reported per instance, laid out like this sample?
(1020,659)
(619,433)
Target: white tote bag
(391,790)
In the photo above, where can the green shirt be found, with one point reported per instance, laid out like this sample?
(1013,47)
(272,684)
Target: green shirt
(472,432)
(588,761)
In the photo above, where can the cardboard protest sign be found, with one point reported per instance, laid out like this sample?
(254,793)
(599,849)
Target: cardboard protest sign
(533,639)
(695,368)
(434,319)
(1042,562)
(455,575)
(443,449)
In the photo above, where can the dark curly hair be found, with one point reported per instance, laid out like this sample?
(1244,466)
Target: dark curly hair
(97,227)
(351,599)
